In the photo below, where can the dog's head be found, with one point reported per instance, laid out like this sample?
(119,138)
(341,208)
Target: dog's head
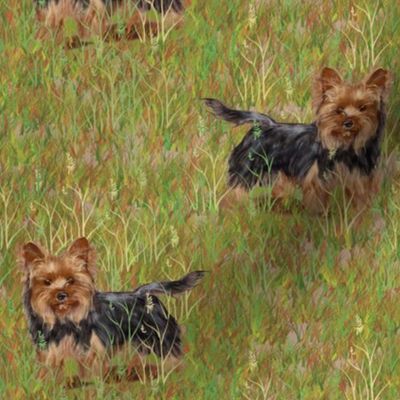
(60,287)
(348,115)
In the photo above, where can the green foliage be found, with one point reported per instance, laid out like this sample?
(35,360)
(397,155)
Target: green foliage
(111,141)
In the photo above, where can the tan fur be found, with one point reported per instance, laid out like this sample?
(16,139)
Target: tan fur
(89,363)
(360,189)
(234,196)
(72,273)
(283,186)
(95,19)
(315,193)
(336,101)
(90,20)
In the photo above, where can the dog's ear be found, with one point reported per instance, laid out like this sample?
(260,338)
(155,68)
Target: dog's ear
(82,249)
(380,80)
(329,78)
(30,254)
(325,80)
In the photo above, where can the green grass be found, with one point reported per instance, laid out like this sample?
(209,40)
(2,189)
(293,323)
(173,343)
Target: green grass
(111,141)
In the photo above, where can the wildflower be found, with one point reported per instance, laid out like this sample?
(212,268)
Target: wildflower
(70,164)
(114,189)
(252,20)
(201,126)
(353,13)
(149,304)
(359,326)
(252,361)
(38,180)
(257,131)
(289,88)
(154,43)
(174,237)
(332,153)
(41,340)
(142,179)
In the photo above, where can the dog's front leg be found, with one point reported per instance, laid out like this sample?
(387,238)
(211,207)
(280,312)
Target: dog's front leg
(315,192)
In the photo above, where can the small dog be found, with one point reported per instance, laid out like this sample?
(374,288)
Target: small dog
(92,16)
(342,146)
(69,319)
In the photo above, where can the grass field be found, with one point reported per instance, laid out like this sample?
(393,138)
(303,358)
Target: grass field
(112,141)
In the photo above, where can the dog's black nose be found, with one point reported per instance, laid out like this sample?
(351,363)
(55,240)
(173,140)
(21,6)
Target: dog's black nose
(61,296)
(348,124)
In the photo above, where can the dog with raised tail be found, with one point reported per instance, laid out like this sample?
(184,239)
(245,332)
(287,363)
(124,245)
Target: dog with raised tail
(341,147)
(69,318)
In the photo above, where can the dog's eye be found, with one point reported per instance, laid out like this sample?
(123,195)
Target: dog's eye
(47,282)
(363,108)
(339,110)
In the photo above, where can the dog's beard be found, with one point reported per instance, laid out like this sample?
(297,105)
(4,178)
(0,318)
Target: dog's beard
(75,309)
(333,136)
(70,308)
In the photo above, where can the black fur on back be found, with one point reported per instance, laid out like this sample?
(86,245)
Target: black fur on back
(270,147)
(143,320)
(265,151)
(137,317)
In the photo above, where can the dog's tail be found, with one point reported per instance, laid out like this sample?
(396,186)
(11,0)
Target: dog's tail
(159,330)
(237,117)
(162,6)
(172,288)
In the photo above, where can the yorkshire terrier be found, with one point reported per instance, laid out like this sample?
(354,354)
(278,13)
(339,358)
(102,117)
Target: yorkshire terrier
(92,16)
(342,146)
(70,319)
